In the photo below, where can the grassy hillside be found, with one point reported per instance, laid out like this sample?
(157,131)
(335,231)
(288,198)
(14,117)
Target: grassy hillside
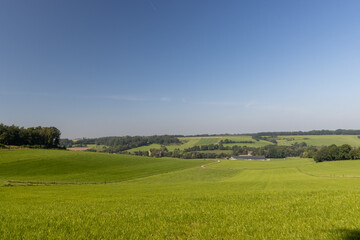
(320,140)
(188,142)
(349,168)
(278,199)
(255,143)
(313,140)
(66,166)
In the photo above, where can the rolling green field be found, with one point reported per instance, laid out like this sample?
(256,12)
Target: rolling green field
(313,140)
(97,147)
(66,166)
(188,142)
(259,143)
(320,140)
(290,198)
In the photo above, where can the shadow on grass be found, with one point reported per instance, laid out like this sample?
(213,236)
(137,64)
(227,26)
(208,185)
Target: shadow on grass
(349,234)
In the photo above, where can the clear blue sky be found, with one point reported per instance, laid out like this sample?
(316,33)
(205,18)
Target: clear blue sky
(143,67)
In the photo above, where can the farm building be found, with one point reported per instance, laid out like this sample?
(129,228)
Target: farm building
(249,157)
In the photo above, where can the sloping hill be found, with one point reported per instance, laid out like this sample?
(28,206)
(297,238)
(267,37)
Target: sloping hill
(320,140)
(66,166)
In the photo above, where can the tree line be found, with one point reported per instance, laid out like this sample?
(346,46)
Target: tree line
(271,139)
(203,151)
(233,141)
(45,137)
(333,153)
(312,132)
(118,144)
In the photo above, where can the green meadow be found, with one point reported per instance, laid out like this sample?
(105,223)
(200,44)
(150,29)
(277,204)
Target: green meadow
(255,143)
(188,142)
(320,140)
(83,167)
(311,140)
(97,147)
(168,198)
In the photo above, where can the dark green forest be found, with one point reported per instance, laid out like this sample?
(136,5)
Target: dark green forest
(333,153)
(43,137)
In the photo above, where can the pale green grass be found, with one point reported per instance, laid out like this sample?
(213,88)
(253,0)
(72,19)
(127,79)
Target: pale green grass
(229,200)
(193,175)
(349,168)
(97,147)
(187,143)
(145,148)
(207,141)
(322,140)
(67,166)
(259,143)
(255,164)
(197,141)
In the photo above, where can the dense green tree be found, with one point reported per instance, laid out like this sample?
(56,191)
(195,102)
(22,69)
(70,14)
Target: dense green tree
(41,136)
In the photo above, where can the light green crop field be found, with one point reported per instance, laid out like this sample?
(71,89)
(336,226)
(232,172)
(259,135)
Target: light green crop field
(67,166)
(207,141)
(198,141)
(320,140)
(314,140)
(97,147)
(187,143)
(277,199)
(349,168)
(259,143)
(145,148)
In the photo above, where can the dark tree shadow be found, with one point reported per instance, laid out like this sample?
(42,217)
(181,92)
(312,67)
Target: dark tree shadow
(349,234)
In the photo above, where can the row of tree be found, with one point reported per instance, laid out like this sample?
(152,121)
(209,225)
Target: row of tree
(180,154)
(118,144)
(209,147)
(47,137)
(312,132)
(333,152)
(233,141)
(271,139)
(205,151)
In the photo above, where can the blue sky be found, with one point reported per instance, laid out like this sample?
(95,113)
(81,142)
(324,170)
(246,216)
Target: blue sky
(143,67)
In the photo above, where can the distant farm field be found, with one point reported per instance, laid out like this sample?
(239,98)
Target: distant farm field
(168,198)
(311,140)
(320,140)
(239,139)
(188,142)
